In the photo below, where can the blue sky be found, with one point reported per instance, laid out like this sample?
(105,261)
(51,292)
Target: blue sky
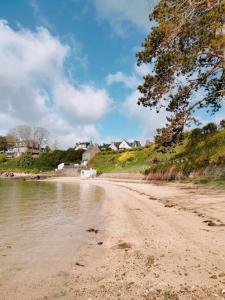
(70,66)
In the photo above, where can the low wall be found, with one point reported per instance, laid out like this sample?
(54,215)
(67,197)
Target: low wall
(132,176)
(69,172)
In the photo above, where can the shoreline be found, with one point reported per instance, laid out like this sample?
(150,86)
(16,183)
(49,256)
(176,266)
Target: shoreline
(157,240)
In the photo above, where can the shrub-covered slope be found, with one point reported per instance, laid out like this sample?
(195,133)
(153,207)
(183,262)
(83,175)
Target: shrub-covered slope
(198,152)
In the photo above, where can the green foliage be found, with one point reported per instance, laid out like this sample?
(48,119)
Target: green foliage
(188,38)
(196,133)
(25,161)
(47,161)
(137,160)
(125,157)
(222,124)
(198,150)
(3,143)
(2,158)
(73,156)
(209,128)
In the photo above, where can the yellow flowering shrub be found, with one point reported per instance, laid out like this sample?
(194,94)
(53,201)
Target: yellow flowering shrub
(124,157)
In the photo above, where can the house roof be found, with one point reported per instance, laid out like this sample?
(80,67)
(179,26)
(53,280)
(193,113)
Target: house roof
(83,143)
(131,144)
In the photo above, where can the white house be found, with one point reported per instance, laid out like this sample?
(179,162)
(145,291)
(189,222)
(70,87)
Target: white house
(124,145)
(22,147)
(82,145)
(114,146)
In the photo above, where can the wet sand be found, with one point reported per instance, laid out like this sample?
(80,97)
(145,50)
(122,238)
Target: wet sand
(158,242)
(144,241)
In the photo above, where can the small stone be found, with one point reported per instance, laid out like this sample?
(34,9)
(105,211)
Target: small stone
(213,277)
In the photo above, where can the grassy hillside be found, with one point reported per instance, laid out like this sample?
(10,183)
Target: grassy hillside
(194,154)
(137,160)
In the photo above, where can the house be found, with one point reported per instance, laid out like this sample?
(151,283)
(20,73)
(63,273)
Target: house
(82,145)
(114,146)
(105,147)
(136,144)
(124,145)
(22,147)
(10,152)
(91,151)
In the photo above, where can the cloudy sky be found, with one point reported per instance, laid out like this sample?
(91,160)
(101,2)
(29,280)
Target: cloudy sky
(70,66)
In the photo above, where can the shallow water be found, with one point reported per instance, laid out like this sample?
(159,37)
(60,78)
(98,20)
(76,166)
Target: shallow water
(42,227)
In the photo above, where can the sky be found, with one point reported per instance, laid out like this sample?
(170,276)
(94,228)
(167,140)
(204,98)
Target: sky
(70,66)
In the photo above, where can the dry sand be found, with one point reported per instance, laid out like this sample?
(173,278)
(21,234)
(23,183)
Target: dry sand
(162,241)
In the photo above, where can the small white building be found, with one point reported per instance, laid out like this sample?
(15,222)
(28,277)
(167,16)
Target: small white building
(61,166)
(67,166)
(85,174)
(82,145)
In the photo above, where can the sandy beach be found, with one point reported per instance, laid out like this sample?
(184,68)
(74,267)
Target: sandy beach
(162,241)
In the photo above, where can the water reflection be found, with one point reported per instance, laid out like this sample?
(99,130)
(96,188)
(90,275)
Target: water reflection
(42,226)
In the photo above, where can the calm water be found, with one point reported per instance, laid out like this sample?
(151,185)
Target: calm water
(42,227)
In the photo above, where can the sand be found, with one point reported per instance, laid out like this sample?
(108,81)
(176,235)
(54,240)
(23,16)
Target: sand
(162,241)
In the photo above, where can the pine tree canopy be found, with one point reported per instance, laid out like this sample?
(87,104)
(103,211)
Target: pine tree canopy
(187,48)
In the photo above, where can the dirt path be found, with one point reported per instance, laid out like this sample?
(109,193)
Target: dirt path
(158,242)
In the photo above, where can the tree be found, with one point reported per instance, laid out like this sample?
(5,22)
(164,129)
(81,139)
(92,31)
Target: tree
(10,140)
(222,124)
(209,128)
(40,136)
(187,49)
(22,132)
(3,143)
(73,156)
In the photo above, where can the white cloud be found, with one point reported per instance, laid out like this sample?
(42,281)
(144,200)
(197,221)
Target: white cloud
(35,90)
(85,103)
(119,77)
(121,12)
(129,80)
(148,120)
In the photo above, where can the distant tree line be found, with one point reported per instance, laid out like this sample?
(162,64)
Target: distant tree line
(46,161)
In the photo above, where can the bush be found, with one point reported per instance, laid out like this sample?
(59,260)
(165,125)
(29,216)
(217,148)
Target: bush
(209,128)
(3,158)
(73,156)
(222,124)
(25,160)
(125,157)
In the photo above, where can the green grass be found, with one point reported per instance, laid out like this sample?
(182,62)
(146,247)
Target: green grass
(208,151)
(204,155)
(108,161)
(11,165)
